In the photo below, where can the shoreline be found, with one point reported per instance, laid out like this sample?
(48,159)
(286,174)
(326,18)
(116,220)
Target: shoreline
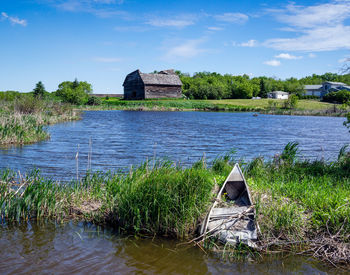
(24,121)
(301,205)
(263,106)
(231,110)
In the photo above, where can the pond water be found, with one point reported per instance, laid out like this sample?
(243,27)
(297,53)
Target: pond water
(80,249)
(109,140)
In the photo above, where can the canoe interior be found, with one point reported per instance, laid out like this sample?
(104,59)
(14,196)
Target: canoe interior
(232,217)
(236,191)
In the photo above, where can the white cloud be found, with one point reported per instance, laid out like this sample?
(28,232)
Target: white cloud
(99,8)
(187,49)
(317,28)
(251,43)
(105,1)
(215,28)
(131,28)
(315,40)
(107,59)
(232,17)
(287,56)
(14,20)
(330,14)
(344,60)
(178,23)
(312,55)
(274,63)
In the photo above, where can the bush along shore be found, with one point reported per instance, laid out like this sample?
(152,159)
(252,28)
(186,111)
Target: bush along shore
(23,119)
(264,106)
(302,206)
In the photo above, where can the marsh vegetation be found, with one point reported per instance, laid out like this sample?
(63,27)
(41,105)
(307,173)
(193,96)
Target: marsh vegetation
(23,117)
(302,206)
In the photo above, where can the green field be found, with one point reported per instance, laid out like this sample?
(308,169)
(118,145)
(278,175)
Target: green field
(271,106)
(264,103)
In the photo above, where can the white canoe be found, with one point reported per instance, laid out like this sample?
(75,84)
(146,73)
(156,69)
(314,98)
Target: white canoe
(231,218)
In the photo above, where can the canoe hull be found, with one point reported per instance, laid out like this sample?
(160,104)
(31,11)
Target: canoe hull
(231,218)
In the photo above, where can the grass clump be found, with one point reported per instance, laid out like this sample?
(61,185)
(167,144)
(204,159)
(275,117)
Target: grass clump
(166,200)
(162,200)
(303,205)
(22,119)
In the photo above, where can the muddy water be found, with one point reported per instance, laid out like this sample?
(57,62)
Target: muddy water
(85,249)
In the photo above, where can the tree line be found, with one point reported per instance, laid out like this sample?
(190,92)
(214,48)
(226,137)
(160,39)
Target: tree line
(201,85)
(73,92)
(207,85)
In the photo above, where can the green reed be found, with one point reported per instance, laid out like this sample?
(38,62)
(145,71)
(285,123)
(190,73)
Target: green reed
(23,119)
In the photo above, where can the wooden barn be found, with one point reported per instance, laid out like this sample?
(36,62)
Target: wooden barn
(164,84)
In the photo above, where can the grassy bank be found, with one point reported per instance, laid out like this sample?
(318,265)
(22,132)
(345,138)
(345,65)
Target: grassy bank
(302,206)
(23,119)
(267,106)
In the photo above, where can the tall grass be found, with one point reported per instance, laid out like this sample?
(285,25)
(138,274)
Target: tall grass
(318,191)
(22,119)
(162,199)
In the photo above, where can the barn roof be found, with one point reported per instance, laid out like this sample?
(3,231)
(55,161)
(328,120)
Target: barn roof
(167,77)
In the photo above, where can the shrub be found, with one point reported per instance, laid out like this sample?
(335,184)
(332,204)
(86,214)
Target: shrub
(341,97)
(94,100)
(74,92)
(27,104)
(308,97)
(291,102)
(9,95)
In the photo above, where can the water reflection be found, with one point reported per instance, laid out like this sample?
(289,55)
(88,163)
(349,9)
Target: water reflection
(80,249)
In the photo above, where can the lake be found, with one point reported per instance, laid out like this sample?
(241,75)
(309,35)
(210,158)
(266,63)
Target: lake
(110,140)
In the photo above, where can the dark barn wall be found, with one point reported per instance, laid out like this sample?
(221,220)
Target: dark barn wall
(155,91)
(134,87)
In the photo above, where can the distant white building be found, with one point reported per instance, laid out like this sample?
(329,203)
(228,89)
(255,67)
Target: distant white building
(278,95)
(325,88)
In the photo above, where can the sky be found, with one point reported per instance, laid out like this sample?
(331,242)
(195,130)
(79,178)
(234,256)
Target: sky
(101,41)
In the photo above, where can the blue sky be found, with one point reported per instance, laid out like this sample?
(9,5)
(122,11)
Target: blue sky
(101,41)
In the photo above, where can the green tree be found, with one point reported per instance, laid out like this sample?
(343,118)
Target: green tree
(263,92)
(342,97)
(76,92)
(291,102)
(39,90)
